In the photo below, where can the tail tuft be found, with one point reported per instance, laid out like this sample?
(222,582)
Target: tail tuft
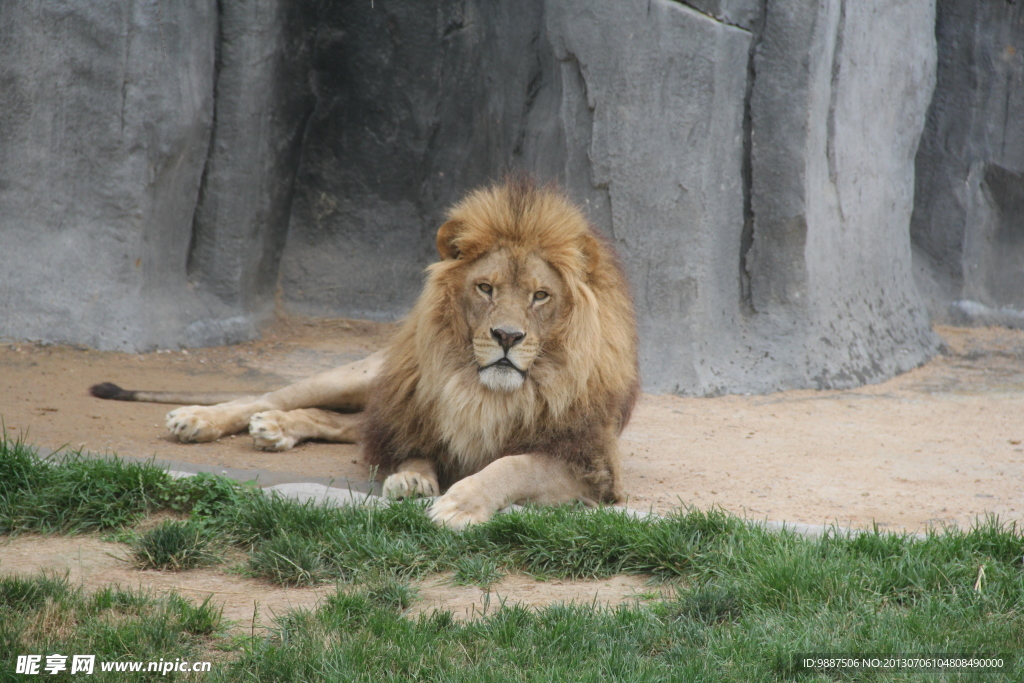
(109,390)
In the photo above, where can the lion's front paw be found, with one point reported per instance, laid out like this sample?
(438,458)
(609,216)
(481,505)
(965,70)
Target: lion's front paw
(461,506)
(269,431)
(193,424)
(409,484)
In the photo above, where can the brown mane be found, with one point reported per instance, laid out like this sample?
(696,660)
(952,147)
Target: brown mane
(427,402)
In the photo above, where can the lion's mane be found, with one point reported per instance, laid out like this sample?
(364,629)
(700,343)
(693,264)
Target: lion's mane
(428,401)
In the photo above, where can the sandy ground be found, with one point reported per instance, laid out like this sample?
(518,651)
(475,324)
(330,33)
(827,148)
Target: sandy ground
(251,605)
(943,444)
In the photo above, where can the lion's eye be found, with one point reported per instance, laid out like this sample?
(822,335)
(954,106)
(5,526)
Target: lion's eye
(540,296)
(485,288)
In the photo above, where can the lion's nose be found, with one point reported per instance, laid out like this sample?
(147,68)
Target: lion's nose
(507,338)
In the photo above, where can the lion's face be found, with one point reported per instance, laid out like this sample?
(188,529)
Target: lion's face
(511,304)
(522,342)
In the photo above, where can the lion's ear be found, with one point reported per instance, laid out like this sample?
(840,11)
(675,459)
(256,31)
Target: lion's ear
(446,235)
(592,253)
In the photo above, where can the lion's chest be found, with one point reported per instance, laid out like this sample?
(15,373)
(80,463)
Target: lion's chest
(477,425)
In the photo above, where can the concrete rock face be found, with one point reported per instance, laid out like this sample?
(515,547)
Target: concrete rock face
(742,13)
(834,135)
(753,162)
(673,182)
(700,198)
(147,156)
(416,102)
(104,128)
(263,102)
(968,222)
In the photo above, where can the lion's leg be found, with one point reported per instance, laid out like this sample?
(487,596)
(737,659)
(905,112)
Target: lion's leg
(512,479)
(279,430)
(343,388)
(191,424)
(412,478)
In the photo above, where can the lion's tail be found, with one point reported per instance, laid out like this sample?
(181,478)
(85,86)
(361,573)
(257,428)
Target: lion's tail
(109,390)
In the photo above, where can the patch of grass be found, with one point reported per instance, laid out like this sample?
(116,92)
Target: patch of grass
(207,497)
(121,600)
(477,570)
(575,542)
(708,604)
(747,600)
(19,593)
(175,546)
(392,593)
(700,636)
(44,615)
(288,559)
(70,493)
(568,541)
(203,619)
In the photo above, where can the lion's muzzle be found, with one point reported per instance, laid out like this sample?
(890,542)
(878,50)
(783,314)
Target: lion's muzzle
(507,338)
(503,364)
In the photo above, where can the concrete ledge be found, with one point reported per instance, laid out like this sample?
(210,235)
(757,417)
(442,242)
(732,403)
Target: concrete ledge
(262,478)
(340,492)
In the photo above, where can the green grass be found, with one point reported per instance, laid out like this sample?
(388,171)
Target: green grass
(175,546)
(44,615)
(73,494)
(477,570)
(745,600)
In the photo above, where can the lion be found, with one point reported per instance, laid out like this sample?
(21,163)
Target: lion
(509,382)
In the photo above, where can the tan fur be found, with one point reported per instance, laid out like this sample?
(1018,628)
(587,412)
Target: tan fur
(510,380)
(580,380)
(278,420)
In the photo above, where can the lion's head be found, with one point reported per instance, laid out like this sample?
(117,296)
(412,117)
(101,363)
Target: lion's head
(523,336)
(512,303)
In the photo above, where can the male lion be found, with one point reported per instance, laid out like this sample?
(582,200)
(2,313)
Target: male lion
(510,380)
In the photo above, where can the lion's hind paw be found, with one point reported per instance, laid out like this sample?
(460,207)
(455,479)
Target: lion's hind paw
(269,431)
(192,424)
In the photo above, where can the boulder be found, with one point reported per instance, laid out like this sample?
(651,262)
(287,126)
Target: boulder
(169,168)
(968,220)
(838,104)
(104,129)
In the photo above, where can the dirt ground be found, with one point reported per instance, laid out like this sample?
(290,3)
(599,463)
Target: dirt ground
(942,444)
(251,604)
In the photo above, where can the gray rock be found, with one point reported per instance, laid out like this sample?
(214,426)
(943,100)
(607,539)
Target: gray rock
(638,109)
(743,13)
(574,104)
(383,163)
(828,530)
(673,180)
(326,495)
(263,103)
(416,103)
(751,160)
(105,112)
(838,104)
(968,222)
(972,313)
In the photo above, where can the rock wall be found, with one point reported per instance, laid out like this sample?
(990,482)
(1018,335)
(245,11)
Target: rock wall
(754,167)
(263,102)
(170,171)
(105,117)
(968,222)
(838,103)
